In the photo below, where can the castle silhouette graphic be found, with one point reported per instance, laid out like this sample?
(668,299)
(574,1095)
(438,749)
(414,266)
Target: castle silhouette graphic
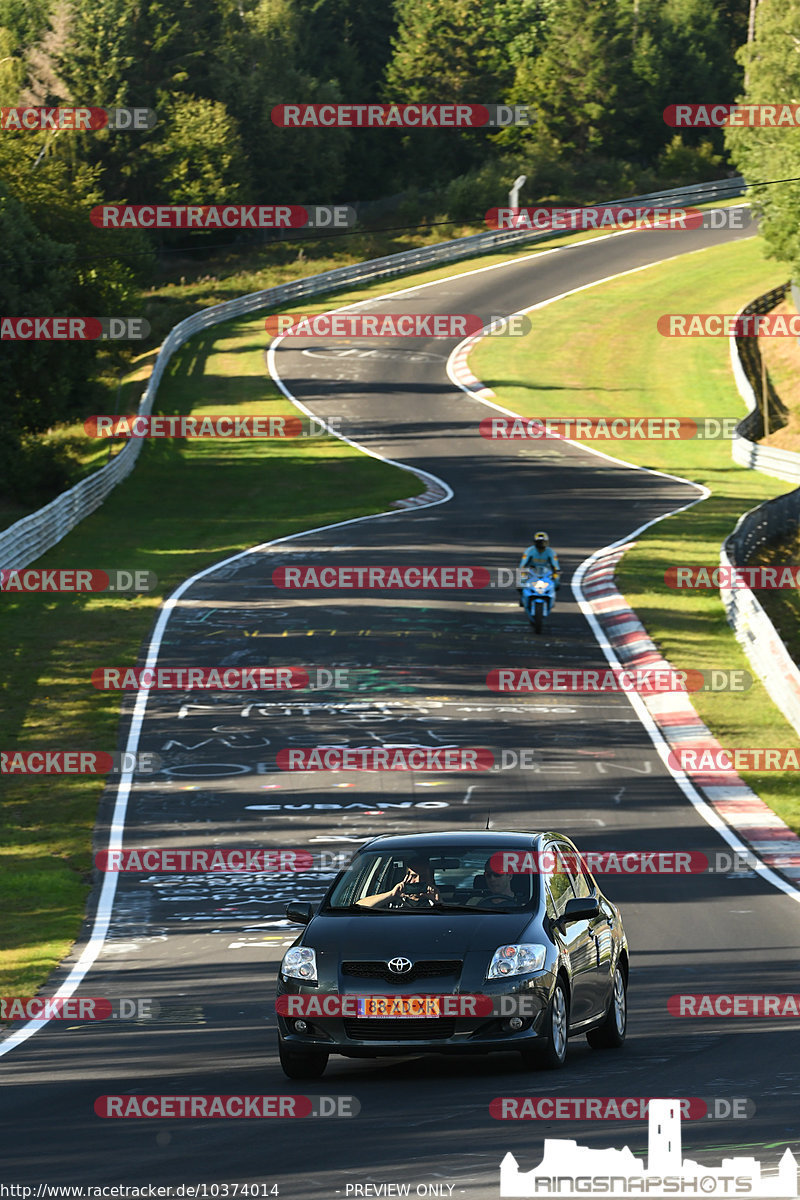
(570,1170)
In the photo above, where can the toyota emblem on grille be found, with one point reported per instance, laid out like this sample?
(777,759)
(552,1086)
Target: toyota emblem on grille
(400,966)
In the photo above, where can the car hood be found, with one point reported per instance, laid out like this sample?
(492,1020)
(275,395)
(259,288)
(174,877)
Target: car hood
(434,935)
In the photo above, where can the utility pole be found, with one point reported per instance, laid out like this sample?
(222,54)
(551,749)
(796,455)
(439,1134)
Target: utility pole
(751,23)
(751,32)
(513,195)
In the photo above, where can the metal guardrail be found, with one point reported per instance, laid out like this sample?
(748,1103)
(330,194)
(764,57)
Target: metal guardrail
(24,541)
(747,366)
(768,522)
(759,638)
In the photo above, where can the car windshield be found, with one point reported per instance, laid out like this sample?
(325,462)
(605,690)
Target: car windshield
(460,879)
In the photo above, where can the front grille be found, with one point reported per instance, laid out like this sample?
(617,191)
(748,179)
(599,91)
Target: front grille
(401,1029)
(424,969)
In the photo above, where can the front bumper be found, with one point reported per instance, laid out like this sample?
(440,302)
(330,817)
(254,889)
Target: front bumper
(358,1037)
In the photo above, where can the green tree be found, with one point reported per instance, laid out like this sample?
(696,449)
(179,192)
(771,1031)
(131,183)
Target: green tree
(26,19)
(256,69)
(762,154)
(43,60)
(53,262)
(201,161)
(578,83)
(458,51)
(347,40)
(12,67)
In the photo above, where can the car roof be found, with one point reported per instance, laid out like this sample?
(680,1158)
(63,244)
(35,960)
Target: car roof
(512,838)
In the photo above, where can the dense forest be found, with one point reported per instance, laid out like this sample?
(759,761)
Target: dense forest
(598,74)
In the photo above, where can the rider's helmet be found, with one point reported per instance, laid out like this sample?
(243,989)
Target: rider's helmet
(540,540)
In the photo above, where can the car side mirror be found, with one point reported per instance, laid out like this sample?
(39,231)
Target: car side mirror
(583,908)
(299,912)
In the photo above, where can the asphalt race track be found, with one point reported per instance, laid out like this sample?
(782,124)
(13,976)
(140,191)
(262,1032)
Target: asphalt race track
(207,947)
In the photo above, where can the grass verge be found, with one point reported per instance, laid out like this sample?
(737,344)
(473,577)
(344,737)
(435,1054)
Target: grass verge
(599,354)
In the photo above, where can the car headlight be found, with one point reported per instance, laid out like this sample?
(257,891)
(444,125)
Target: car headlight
(516,960)
(300,963)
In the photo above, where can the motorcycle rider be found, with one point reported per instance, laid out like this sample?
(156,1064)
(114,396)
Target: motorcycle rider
(540,554)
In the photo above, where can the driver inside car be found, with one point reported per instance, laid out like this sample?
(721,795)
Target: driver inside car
(417,889)
(493,889)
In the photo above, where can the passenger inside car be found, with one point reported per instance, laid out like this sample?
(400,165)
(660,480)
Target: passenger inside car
(494,889)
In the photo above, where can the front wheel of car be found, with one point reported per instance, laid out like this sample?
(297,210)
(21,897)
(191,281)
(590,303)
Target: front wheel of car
(611,1034)
(552,1052)
(302,1064)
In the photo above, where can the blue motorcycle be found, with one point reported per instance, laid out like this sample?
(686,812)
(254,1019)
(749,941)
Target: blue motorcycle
(538,594)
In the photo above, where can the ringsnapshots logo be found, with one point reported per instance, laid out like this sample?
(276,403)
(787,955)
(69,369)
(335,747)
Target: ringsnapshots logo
(642,680)
(76,580)
(39,118)
(393,325)
(73,329)
(624,429)
(729,116)
(222,216)
(226,427)
(570,1170)
(401,116)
